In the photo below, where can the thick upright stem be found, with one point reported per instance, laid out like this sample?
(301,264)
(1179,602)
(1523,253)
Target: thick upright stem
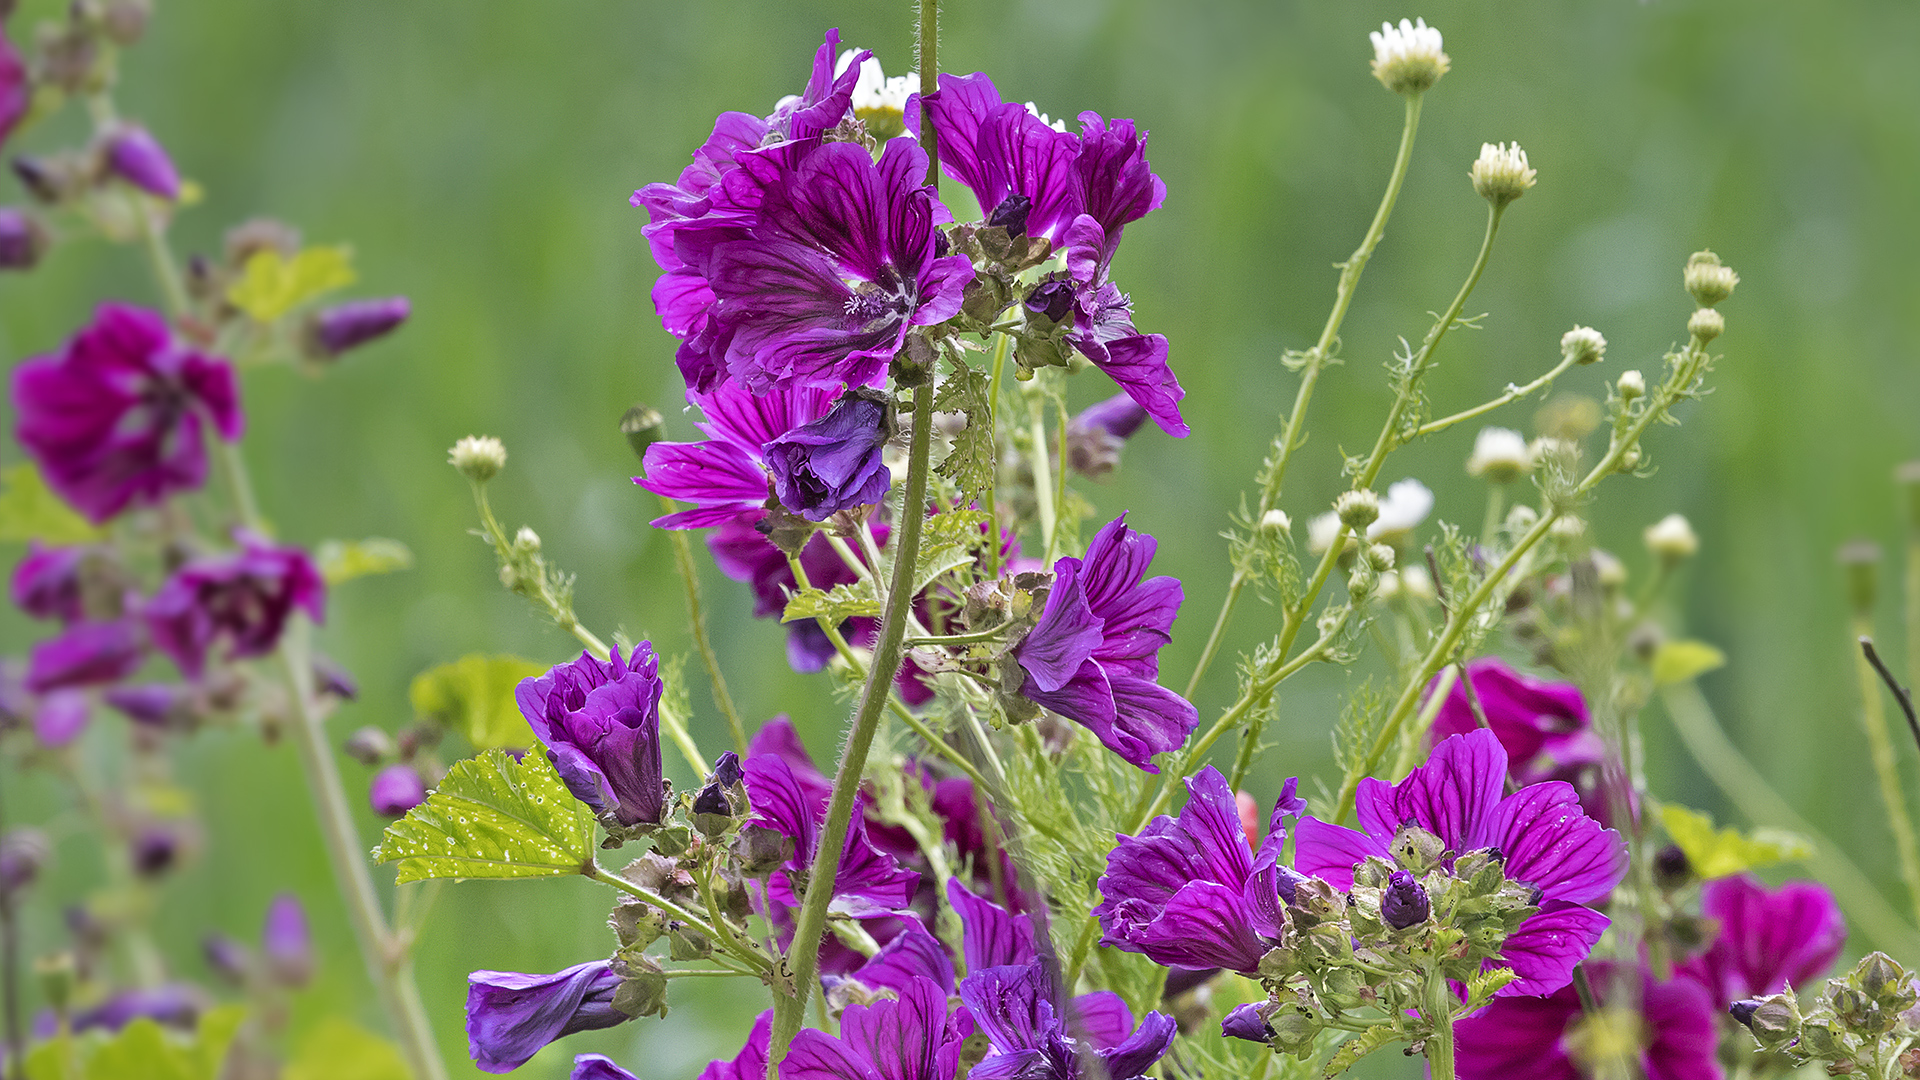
(789,1009)
(1440,1014)
(927,62)
(1886,770)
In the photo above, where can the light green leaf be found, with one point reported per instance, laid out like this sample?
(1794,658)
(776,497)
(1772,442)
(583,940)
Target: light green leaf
(1718,853)
(970,463)
(841,603)
(1360,1046)
(144,1051)
(338,1049)
(1679,661)
(344,560)
(474,696)
(935,561)
(271,284)
(493,817)
(29,510)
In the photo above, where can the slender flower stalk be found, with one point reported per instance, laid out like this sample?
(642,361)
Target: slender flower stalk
(1873,717)
(702,641)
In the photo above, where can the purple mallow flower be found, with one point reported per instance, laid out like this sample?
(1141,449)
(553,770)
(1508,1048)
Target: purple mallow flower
(1769,938)
(87,654)
(725,477)
(114,419)
(1019,1010)
(1095,436)
(1190,892)
(350,325)
(1544,838)
(833,463)
(155,705)
(1537,1037)
(47,583)
(396,789)
(1094,655)
(600,723)
(511,1016)
(16,88)
(244,597)
(1016,165)
(907,1038)
(751,1062)
(286,942)
(134,155)
(1544,727)
(22,239)
(794,805)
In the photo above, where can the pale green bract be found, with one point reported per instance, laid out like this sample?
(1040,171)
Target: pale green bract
(344,560)
(493,817)
(474,696)
(1717,853)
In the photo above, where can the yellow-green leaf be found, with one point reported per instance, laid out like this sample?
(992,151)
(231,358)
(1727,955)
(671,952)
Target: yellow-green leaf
(29,510)
(1680,661)
(1718,853)
(493,817)
(344,560)
(144,1051)
(838,604)
(338,1049)
(271,284)
(474,696)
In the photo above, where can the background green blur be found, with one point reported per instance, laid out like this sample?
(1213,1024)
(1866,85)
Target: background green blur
(478,157)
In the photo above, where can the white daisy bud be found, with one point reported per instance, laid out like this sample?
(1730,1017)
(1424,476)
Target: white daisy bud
(880,102)
(1707,324)
(1276,521)
(1708,281)
(478,457)
(1671,538)
(1500,455)
(1407,59)
(1631,384)
(1380,556)
(1583,345)
(1357,509)
(1501,174)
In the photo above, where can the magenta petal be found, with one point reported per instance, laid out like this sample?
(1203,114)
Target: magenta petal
(1330,852)
(598,1067)
(1551,844)
(1768,938)
(1066,635)
(901,1039)
(751,1062)
(991,937)
(715,476)
(1102,1018)
(1545,949)
(1455,792)
(913,954)
(1517,1037)
(818,1056)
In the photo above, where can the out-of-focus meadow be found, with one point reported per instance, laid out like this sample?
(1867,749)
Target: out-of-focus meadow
(478,158)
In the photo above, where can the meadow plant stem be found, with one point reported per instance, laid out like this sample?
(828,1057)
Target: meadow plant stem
(1514,393)
(1886,768)
(10,971)
(1439,1009)
(697,620)
(789,1007)
(1901,695)
(1292,434)
(1042,479)
(1002,344)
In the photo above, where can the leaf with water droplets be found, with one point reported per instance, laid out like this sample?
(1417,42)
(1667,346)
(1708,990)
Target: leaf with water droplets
(493,817)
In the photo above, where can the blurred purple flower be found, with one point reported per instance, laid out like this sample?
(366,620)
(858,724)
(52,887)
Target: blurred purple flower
(16,88)
(751,1062)
(61,718)
(87,654)
(600,723)
(226,958)
(1769,938)
(156,705)
(396,789)
(46,584)
(1094,655)
(1544,727)
(346,326)
(511,1016)
(243,596)
(1524,1035)
(137,157)
(154,850)
(286,942)
(22,238)
(725,476)
(1095,436)
(834,463)
(114,419)
(174,1005)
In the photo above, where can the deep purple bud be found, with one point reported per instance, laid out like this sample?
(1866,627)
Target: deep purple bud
(1743,1011)
(154,851)
(46,584)
(1051,300)
(599,721)
(1011,215)
(727,771)
(834,463)
(395,790)
(1404,903)
(157,705)
(369,746)
(1671,868)
(87,654)
(225,957)
(511,1016)
(138,158)
(350,325)
(286,942)
(22,239)
(331,678)
(22,853)
(712,799)
(1245,1022)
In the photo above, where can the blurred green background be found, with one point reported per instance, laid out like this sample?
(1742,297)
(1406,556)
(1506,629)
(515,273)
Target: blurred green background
(478,158)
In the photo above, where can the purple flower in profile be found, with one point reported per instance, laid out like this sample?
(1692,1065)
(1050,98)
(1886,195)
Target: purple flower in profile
(22,239)
(87,654)
(1546,841)
(511,1016)
(286,942)
(906,1038)
(1094,655)
(396,789)
(174,1005)
(114,419)
(134,155)
(600,723)
(1095,436)
(47,585)
(725,477)
(244,597)
(353,324)
(1030,1039)
(226,958)
(1190,892)
(795,805)
(1006,155)
(833,463)
(1769,938)
(1537,1037)
(599,1067)
(155,705)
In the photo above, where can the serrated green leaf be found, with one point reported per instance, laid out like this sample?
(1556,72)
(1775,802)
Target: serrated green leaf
(338,1049)
(1680,661)
(344,560)
(1358,1047)
(961,526)
(29,510)
(1482,987)
(935,561)
(493,817)
(474,696)
(271,284)
(1718,853)
(840,603)
(970,463)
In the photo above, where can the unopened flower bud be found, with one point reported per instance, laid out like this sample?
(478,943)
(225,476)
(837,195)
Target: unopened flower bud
(226,958)
(1407,59)
(1608,570)
(126,20)
(1631,384)
(759,850)
(1049,302)
(1583,345)
(395,790)
(55,178)
(1095,436)
(1774,1021)
(1501,174)
(369,746)
(478,457)
(526,540)
(1380,557)
(346,326)
(1881,978)
(1569,528)
(642,426)
(1671,868)
(712,812)
(286,942)
(1357,509)
(22,853)
(1404,903)
(134,155)
(1416,849)
(1500,455)
(1708,280)
(1706,324)
(22,239)
(1671,538)
(154,851)
(1276,521)
(1860,560)
(1630,459)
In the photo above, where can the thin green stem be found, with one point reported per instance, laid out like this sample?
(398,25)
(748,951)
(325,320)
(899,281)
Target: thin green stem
(1002,344)
(790,1005)
(1886,770)
(1514,393)
(697,619)
(927,63)
(605,877)
(1042,477)
(975,638)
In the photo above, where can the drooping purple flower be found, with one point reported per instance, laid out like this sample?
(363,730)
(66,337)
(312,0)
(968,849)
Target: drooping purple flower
(725,476)
(1094,655)
(47,584)
(1190,893)
(1095,436)
(1017,1007)
(1119,185)
(115,418)
(834,463)
(350,325)
(1522,1035)
(87,654)
(1404,902)
(994,938)
(286,942)
(1546,841)
(511,1016)
(244,597)
(396,789)
(22,238)
(137,157)
(867,881)
(598,1067)
(906,1038)
(175,1005)
(226,958)
(1006,155)
(600,723)
(1104,333)
(1246,1022)
(1768,939)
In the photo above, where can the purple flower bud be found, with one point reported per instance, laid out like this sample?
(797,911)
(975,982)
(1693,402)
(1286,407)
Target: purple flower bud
(154,851)
(1245,1022)
(175,1005)
(727,771)
(331,678)
(138,158)
(395,790)
(46,584)
(1051,300)
(22,853)
(225,957)
(1743,1011)
(369,746)
(243,596)
(346,326)
(1011,215)
(511,1016)
(286,942)
(156,705)
(61,718)
(1404,903)
(87,654)
(1671,869)
(712,799)
(834,463)
(22,239)
(600,723)
(1095,436)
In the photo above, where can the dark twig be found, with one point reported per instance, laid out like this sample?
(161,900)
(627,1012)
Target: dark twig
(1900,693)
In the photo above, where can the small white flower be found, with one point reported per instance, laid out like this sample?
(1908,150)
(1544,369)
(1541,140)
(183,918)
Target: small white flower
(1417,582)
(1671,538)
(1276,521)
(1323,530)
(1407,504)
(1499,454)
(880,102)
(1359,508)
(1407,59)
(1631,384)
(1057,125)
(1583,345)
(1500,174)
(478,457)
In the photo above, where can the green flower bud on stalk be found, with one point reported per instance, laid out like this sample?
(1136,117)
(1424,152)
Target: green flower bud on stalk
(1631,384)
(1357,509)
(1407,59)
(1583,345)
(1707,280)
(1706,324)
(642,427)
